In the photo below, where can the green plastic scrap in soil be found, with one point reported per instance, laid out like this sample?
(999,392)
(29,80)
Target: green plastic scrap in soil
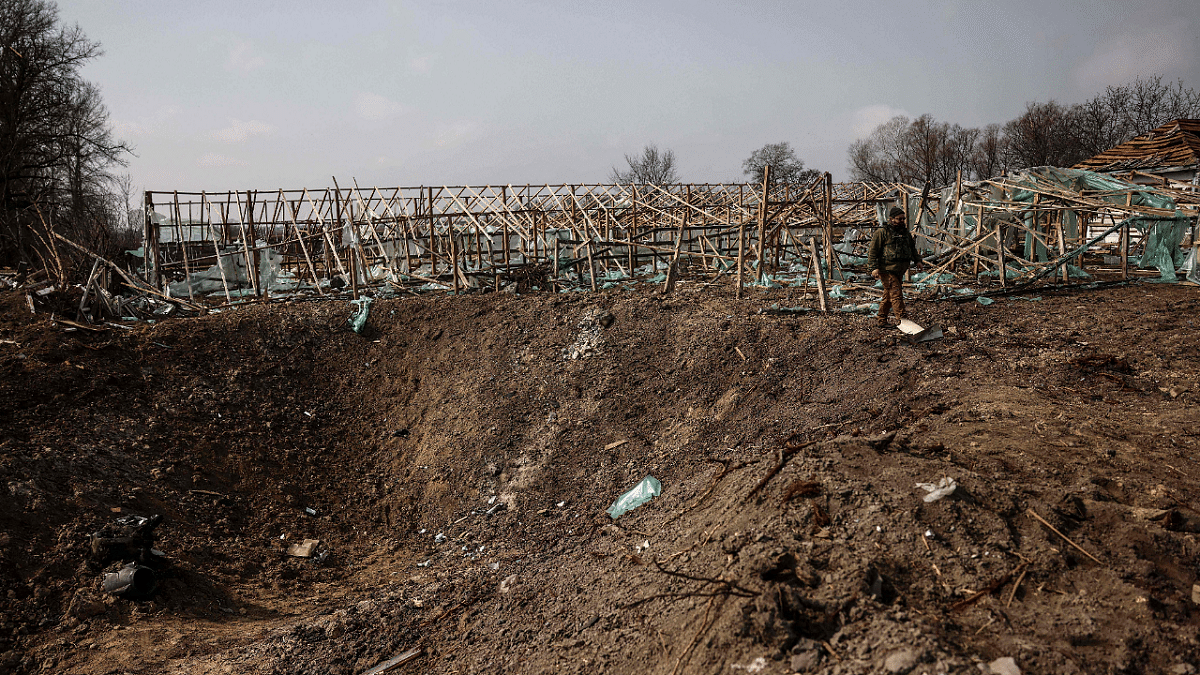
(358,320)
(928,278)
(776,309)
(984,301)
(863,308)
(647,489)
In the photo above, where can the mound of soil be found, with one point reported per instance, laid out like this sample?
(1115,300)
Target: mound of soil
(454,462)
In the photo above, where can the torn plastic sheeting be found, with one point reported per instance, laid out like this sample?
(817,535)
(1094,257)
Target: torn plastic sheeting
(836,293)
(866,308)
(644,491)
(1162,251)
(1189,268)
(1011,271)
(776,309)
(943,488)
(984,301)
(930,278)
(767,282)
(1077,273)
(358,320)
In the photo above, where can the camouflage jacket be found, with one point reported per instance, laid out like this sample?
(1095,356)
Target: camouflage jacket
(892,250)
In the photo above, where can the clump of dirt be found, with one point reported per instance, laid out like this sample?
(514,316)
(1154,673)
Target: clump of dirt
(454,462)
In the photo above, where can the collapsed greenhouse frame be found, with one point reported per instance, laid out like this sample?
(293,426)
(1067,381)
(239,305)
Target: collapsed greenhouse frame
(332,240)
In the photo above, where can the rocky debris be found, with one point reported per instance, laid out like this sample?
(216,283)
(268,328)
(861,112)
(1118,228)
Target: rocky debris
(1004,665)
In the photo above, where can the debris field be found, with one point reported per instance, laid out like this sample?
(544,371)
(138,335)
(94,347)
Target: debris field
(430,494)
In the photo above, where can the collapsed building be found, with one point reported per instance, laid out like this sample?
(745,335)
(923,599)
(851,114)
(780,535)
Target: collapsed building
(1128,212)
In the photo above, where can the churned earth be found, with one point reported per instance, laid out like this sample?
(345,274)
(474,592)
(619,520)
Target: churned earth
(454,462)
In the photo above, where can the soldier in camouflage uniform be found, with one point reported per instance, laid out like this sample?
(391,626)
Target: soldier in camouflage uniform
(892,251)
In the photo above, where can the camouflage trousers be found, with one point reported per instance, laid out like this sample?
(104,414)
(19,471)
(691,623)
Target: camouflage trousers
(893,294)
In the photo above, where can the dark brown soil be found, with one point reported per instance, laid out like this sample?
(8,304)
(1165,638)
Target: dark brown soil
(1078,409)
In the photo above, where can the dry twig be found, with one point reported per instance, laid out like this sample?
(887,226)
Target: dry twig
(1065,537)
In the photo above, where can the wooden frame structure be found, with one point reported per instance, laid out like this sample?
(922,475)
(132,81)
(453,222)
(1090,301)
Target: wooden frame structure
(456,237)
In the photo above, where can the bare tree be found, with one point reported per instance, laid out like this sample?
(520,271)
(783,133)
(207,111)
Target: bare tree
(916,151)
(56,147)
(987,157)
(786,167)
(880,156)
(652,167)
(1043,136)
(925,150)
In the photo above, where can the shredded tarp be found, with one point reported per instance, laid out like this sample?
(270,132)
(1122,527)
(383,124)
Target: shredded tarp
(358,319)
(1162,235)
(767,282)
(1191,267)
(230,272)
(927,278)
(776,309)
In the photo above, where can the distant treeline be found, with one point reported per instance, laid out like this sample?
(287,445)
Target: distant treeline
(922,150)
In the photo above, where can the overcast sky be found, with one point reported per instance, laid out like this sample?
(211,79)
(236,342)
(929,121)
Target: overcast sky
(219,95)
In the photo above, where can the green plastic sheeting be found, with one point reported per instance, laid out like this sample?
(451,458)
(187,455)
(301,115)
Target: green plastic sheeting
(644,491)
(930,278)
(358,320)
(767,282)
(1162,235)
(1162,250)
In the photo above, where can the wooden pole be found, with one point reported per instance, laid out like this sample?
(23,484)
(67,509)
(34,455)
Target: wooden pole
(591,266)
(999,248)
(828,217)
(741,256)
(1125,238)
(762,220)
(822,298)
(187,270)
(150,243)
(1062,247)
(432,236)
(216,247)
(632,232)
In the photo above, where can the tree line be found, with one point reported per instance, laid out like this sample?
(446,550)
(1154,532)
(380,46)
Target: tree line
(924,150)
(58,155)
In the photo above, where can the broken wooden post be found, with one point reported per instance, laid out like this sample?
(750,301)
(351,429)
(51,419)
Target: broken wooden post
(762,219)
(741,256)
(1124,251)
(591,266)
(828,217)
(816,263)
(999,250)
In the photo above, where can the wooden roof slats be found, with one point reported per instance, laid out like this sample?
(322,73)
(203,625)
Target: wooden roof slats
(1175,144)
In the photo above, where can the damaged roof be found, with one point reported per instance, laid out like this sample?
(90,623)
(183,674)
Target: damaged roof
(1174,144)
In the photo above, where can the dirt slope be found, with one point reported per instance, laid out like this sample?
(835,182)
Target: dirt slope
(494,421)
